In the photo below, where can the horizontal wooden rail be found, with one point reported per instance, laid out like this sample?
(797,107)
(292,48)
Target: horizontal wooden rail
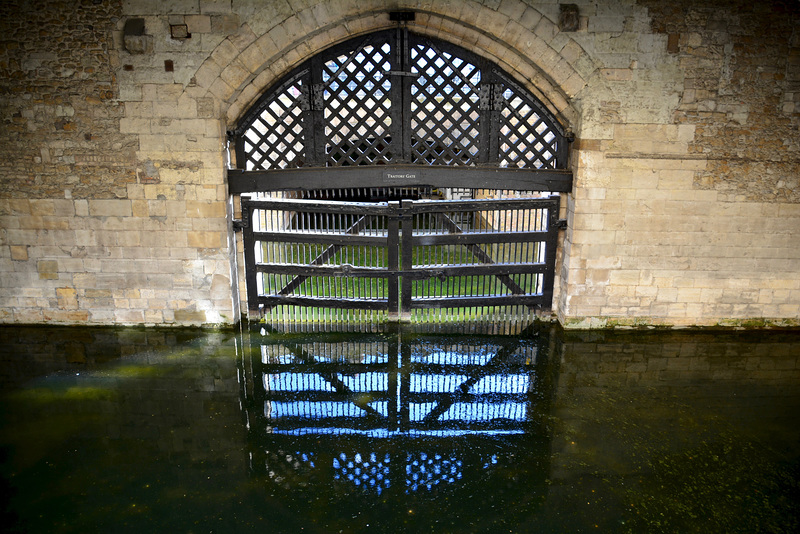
(411,255)
(315,178)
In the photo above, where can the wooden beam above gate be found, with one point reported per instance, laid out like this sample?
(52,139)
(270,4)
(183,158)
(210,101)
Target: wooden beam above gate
(311,178)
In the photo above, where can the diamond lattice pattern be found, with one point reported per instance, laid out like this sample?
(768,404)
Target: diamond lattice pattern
(370,472)
(526,140)
(425,471)
(357,105)
(275,138)
(436,106)
(444,108)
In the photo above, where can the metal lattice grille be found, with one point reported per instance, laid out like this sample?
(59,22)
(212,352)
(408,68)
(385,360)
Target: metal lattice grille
(526,140)
(394,97)
(356,107)
(275,138)
(444,108)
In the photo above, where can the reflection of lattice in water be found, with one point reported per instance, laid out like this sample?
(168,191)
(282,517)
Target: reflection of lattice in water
(471,354)
(425,471)
(287,469)
(490,462)
(371,474)
(369,352)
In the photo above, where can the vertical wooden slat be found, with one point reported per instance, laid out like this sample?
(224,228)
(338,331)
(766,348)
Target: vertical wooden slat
(550,249)
(406,254)
(250,260)
(393,260)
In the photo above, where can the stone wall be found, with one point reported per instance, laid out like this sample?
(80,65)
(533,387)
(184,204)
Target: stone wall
(686,205)
(112,198)
(113,204)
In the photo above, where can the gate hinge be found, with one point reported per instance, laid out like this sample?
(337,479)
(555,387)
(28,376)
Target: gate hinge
(560,224)
(244,222)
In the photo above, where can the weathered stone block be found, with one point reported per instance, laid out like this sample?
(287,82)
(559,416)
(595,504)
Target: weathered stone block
(48,269)
(67,298)
(62,316)
(110,208)
(213,240)
(19,252)
(205,209)
(190,316)
(198,23)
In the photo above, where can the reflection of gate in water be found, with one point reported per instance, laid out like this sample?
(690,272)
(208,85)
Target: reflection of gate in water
(304,258)
(396,412)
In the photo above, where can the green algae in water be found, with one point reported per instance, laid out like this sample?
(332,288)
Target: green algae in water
(166,437)
(728,485)
(668,467)
(43,395)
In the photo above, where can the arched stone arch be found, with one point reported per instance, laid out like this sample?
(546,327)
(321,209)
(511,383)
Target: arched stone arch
(519,38)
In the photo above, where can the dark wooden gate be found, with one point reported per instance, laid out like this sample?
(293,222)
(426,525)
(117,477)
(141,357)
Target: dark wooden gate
(389,119)
(303,257)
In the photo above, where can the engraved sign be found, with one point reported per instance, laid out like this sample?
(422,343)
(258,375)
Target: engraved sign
(401,177)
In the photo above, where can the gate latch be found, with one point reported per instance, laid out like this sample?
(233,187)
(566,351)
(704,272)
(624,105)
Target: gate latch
(438,274)
(560,224)
(402,73)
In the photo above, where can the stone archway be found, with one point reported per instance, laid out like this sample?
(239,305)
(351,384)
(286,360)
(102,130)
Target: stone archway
(516,36)
(393,117)
(519,38)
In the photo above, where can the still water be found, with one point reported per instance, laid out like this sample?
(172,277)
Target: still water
(151,430)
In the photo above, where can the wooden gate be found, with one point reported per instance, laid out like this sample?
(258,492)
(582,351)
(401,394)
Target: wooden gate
(304,258)
(395,115)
